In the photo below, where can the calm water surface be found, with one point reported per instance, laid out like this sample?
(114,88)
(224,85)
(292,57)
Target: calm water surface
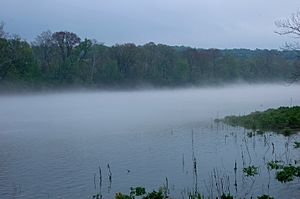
(51,145)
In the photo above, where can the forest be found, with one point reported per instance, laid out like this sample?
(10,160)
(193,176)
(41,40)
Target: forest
(64,60)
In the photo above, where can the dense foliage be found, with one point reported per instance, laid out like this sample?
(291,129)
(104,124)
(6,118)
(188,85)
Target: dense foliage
(283,119)
(63,59)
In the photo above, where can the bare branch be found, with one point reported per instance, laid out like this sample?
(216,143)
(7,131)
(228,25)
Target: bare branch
(289,26)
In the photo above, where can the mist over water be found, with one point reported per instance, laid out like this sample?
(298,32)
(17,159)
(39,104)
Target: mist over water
(137,110)
(52,144)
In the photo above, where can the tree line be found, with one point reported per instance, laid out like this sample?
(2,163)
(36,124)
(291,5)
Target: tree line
(63,59)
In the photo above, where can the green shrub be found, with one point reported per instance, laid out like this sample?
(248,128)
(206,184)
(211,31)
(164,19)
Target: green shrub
(250,171)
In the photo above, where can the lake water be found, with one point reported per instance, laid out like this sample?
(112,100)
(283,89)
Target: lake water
(51,145)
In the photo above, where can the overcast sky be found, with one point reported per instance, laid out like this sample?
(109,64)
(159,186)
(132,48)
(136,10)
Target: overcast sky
(196,23)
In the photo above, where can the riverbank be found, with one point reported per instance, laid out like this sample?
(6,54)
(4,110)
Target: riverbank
(284,120)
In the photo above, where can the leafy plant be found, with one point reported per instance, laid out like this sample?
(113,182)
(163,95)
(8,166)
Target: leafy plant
(122,196)
(250,171)
(228,196)
(275,165)
(141,191)
(296,145)
(265,197)
(250,134)
(137,191)
(97,196)
(288,173)
(195,196)
(155,195)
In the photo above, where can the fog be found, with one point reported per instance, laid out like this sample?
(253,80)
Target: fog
(123,111)
(51,145)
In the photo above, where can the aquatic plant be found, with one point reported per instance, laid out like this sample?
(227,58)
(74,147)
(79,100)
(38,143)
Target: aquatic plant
(122,196)
(97,196)
(296,145)
(155,195)
(137,191)
(141,191)
(288,173)
(227,196)
(199,196)
(195,196)
(250,170)
(250,134)
(265,197)
(275,165)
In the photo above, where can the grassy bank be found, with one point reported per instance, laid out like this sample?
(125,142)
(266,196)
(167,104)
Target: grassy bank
(284,120)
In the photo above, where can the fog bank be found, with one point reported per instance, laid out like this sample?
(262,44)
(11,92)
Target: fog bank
(123,111)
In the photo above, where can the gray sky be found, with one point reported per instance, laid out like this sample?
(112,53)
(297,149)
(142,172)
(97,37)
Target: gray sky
(196,23)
